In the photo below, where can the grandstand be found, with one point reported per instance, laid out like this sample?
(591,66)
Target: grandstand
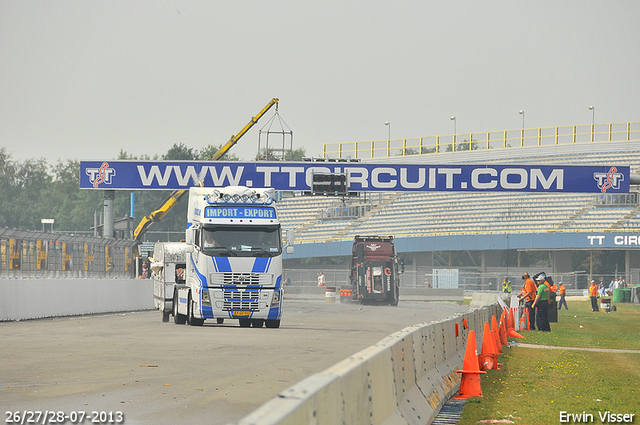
(416,214)
(492,223)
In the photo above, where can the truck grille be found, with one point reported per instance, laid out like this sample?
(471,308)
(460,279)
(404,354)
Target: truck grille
(240,305)
(241,295)
(242,279)
(240,300)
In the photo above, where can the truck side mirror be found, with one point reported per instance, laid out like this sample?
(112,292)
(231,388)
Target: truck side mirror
(360,253)
(289,238)
(190,236)
(289,246)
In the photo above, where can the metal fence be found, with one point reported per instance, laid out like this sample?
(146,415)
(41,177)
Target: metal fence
(163,236)
(468,280)
(34,254)
(524,137)
(340,277)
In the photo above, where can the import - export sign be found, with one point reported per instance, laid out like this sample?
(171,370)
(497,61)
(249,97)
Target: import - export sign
(297,176)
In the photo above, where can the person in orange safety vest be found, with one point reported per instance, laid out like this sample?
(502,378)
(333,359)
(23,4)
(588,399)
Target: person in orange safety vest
(593,294)
(528,294)
(562,291)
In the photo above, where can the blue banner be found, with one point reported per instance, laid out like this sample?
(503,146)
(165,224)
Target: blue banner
(361,177)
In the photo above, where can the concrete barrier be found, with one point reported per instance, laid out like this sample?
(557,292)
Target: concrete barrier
(405,378)
(22,299)
(480,299)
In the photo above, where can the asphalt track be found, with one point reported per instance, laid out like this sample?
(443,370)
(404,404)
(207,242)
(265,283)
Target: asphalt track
(163,373)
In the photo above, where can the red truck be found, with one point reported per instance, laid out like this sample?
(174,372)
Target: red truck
(375,271)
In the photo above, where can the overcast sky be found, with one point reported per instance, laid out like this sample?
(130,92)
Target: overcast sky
(85,79)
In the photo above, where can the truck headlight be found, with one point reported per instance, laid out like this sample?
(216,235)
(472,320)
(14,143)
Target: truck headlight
(276,298)
(205,297)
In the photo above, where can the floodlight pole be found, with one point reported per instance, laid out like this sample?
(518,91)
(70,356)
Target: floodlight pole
(593,120)
(522,132)
(453,118)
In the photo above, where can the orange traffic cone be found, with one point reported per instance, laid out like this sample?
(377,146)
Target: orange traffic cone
(496,336)
(523,324)
(488,359)
(512,331)
(470,383)
(502,330)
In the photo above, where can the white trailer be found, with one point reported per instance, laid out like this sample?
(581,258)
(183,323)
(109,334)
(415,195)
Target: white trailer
(168,270)
(233,259)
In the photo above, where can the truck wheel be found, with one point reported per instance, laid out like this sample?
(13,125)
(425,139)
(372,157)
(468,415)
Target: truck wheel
(165,316)
(178,318)
(244,323)
(220,320)
(257,323)
(190,319)
(272,323)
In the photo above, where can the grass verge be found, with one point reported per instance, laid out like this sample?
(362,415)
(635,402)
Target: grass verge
(535,385)
(580,327)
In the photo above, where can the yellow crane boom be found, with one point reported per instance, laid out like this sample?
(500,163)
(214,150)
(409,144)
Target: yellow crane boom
(234,139)
(158,214)
(175,196)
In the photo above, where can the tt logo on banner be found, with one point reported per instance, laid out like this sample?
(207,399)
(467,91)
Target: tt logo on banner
(101,175)
(610,179)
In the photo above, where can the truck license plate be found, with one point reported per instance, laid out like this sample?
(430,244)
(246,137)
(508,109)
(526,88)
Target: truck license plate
(241,313)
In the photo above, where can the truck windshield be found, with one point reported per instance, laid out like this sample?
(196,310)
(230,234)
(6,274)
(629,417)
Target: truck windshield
(241,241)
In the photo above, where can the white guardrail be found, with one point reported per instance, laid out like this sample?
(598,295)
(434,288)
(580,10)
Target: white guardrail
(404,379)
(22,299)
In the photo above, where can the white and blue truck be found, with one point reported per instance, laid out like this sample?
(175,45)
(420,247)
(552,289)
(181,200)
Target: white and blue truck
(232,260)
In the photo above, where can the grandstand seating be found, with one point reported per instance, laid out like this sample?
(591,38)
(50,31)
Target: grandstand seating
(428,213)
(302,210)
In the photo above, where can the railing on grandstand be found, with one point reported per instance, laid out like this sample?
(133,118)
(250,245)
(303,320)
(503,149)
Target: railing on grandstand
(34,254)
(546,136)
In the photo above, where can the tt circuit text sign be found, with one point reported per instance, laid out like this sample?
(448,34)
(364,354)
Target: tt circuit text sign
(611,240)
(298,176)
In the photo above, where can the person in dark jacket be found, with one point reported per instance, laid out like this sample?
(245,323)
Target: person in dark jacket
(542,303)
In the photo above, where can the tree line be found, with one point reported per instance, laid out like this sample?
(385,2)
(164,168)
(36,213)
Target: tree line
(33,189)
